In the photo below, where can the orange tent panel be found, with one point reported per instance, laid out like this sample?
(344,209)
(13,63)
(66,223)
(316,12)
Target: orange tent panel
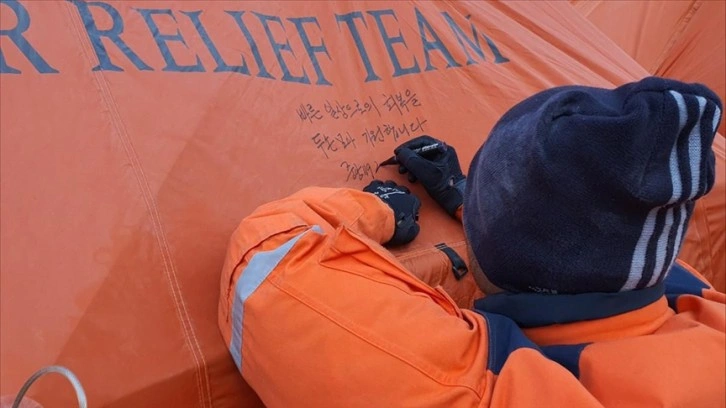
(683,39)
(135,135)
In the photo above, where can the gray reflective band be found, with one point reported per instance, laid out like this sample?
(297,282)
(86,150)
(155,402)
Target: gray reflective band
(257,270)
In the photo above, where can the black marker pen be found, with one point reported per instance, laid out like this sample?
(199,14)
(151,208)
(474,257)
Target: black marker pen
(422,149)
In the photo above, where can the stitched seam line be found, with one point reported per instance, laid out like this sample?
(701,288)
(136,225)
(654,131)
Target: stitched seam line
(680,28)
(152,208)
(709,245)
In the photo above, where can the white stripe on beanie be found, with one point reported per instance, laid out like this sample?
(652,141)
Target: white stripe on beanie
(682,208)
(638,262)
(694,149)
(679,234)
(662,248)
(716,118)
(675,170)
(694,156)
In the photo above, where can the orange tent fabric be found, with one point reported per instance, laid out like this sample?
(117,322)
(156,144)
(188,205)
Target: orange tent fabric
(684,39)
(134,136)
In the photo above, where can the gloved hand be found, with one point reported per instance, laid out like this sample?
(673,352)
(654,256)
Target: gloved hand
(438,170)
(405,209)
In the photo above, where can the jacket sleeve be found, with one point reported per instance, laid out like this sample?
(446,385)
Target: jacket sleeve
(309,298)
(314,208)
(316,313)
(328,208)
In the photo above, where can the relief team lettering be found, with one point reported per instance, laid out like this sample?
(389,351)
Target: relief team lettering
(258,31)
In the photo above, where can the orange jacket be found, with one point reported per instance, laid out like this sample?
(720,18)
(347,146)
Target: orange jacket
(316,313)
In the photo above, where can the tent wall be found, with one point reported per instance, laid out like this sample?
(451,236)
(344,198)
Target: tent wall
(135,135)
(681,39)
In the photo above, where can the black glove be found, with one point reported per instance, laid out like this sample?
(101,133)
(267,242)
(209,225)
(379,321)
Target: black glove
(437,168)
(405,209)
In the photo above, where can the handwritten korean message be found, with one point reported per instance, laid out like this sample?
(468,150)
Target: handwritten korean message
(373,120)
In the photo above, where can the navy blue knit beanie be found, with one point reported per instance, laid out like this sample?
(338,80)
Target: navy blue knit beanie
(582,189)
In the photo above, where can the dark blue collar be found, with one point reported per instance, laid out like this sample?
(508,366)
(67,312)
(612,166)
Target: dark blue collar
(535,309)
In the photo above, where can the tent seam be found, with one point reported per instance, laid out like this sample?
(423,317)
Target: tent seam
(152,207)
(681,27)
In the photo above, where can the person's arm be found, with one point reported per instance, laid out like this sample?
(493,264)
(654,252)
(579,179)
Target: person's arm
(309,297)
(383,213)
(318,209)
(315,312)
(328,208)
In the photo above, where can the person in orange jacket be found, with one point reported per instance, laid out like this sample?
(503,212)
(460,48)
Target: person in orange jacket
(574,210)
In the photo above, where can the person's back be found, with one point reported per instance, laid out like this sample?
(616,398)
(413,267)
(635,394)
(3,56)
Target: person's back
(580,237)
(667,352)
(578,206)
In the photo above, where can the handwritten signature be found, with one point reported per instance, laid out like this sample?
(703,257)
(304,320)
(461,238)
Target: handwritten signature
(359,171)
